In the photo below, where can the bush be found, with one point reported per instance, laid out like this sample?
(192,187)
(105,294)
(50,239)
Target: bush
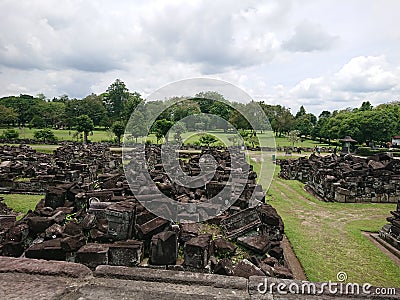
(10,134)
(367,151)
(45,135)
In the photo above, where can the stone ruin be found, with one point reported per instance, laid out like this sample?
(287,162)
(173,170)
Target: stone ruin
(347,178)
(96,220)
(24,170)
(391,232)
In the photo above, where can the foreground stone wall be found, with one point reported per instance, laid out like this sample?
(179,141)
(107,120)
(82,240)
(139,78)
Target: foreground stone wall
(347,178)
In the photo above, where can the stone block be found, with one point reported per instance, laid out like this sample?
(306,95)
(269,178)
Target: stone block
(223,248)
(150,228)
(50,250)
(125,253)
(93,255)
(240,223)
(245,269)
(259,244)
(164,248)
(55,197)
(120,218)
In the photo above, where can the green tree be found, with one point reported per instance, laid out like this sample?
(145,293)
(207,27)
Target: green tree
(294,136)
(161,128)
(366,105)
(114,99)
(8,115)
(93,106)
(134,99)
(301,112)
(84,124)
(281,119)
(118,128)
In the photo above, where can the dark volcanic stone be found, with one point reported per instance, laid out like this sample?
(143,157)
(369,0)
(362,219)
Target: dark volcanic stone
(125,253)
(73,243)
(197,251)
(50,250)
(282,272)
(93,255)
(164,248)
(257,243)
(222,247)
(72,228)
(276,252)
(224,267)
(39,224)
(246,269)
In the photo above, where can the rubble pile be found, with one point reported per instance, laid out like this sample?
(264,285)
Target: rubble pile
(23,170)
(391,232)
(347,178)
(103,223)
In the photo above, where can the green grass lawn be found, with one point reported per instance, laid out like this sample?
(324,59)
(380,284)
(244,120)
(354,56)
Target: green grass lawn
(21,203)
(326,237)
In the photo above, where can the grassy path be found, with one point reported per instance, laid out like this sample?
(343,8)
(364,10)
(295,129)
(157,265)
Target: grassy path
(327,238)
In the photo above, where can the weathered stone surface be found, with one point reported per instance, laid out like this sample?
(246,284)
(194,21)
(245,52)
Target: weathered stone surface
(92,255)
(276,252)
(42,267)
(73,243)
(164,248)
(50,250)
(152,227)
(120,218)
(259,244)
(240,223)
(246,269)
(39,224)
(188,231)
(223,248)
(125,253)
(282,272)
(197,251)
(224,267)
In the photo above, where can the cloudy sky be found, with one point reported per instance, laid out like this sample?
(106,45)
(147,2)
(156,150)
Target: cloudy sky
(321,54)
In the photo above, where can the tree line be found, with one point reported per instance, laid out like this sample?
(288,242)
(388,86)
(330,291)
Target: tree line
(113,108)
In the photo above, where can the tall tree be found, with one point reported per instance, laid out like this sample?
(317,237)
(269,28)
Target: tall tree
(115,97)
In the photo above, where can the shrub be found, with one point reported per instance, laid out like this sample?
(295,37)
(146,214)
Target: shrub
(45,135)
(10,134)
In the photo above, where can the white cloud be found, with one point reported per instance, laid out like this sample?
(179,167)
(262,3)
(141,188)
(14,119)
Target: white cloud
(281,51)
(366,74)
(309,37)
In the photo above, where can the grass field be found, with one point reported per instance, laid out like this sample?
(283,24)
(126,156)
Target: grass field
(65,135)
(21,203)
(326,237)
